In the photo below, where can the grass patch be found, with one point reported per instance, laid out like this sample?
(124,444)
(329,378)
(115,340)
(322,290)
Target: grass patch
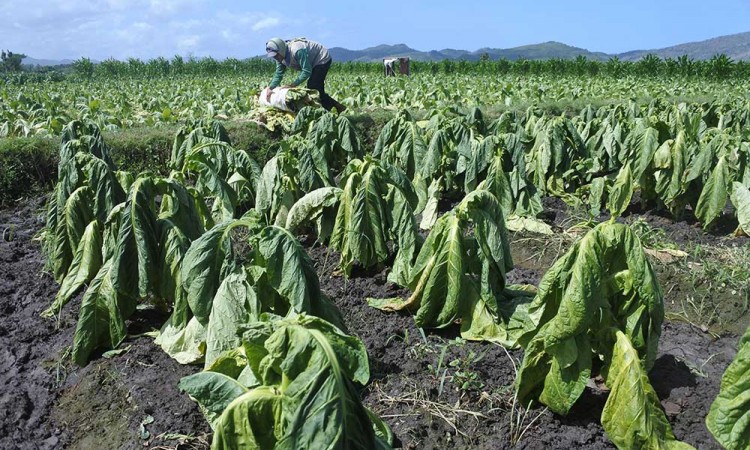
(257,141)
(709,289)
(727,269)
(139,149)
(650,237)
(28,166)
(369,126)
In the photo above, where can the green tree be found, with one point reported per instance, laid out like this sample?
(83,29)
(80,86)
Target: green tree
(11,61)
(84,68)
(649,65)
(178,65)
(685,66)
(720,66)
(614,67)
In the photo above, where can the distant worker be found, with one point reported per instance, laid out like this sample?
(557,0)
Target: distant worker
(310,58)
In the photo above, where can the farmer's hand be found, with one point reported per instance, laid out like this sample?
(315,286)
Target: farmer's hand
(268,94)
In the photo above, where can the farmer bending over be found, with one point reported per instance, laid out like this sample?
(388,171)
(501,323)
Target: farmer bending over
(310,58)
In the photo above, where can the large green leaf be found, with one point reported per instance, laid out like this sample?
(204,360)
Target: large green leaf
(504,324)
(185,343)
(333,415)
(234,305)
(92,329)
(279,187)
(741,201)
(193,135)
(621,192)
(87,188)
(632,416)
(442,283)
(404,233)
(569,371)
(439,148)
(348,138)
(489,229)
(179,223)
(359,232)
(714,195)
(214,392)
(209,259)
(70,220)
(596,195)
(251,421)
(101,321)
(291,273)
(211,181)
(105,187)
(401,143)
(457,277)
(137,246)
(643,144)
(86,264)
(128,272)
(670,163)
(604,281)
(179,207)
(311,206)
(430,211)
(498,184)
(307,398)
(481,159)
(267,184)
(729,416)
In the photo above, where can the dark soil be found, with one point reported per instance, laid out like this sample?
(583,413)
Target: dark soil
(29,346)
(45,403)
(435,390)
(418,378)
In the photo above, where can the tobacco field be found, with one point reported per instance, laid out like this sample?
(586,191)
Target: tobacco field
(531,262)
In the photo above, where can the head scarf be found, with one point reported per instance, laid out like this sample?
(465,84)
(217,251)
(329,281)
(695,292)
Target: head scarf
(274,46)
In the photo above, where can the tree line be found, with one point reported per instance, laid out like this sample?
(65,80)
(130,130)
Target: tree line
(718,67)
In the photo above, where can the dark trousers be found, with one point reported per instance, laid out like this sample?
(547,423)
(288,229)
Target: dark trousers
(317,81)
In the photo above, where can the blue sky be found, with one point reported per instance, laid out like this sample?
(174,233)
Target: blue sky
(98,29)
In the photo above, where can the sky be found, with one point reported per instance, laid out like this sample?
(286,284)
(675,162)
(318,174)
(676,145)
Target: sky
(145,29)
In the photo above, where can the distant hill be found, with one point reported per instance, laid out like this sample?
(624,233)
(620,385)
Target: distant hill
(545,50)
(45,62)
(735,46)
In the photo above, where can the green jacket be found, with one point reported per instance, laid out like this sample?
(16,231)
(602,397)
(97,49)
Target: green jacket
(302,55)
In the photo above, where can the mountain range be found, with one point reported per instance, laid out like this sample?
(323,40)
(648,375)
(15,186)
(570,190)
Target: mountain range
(735,46)
(45,62)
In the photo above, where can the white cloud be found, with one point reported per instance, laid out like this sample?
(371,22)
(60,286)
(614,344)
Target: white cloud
(100,29)
(188,43)
(268,22)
